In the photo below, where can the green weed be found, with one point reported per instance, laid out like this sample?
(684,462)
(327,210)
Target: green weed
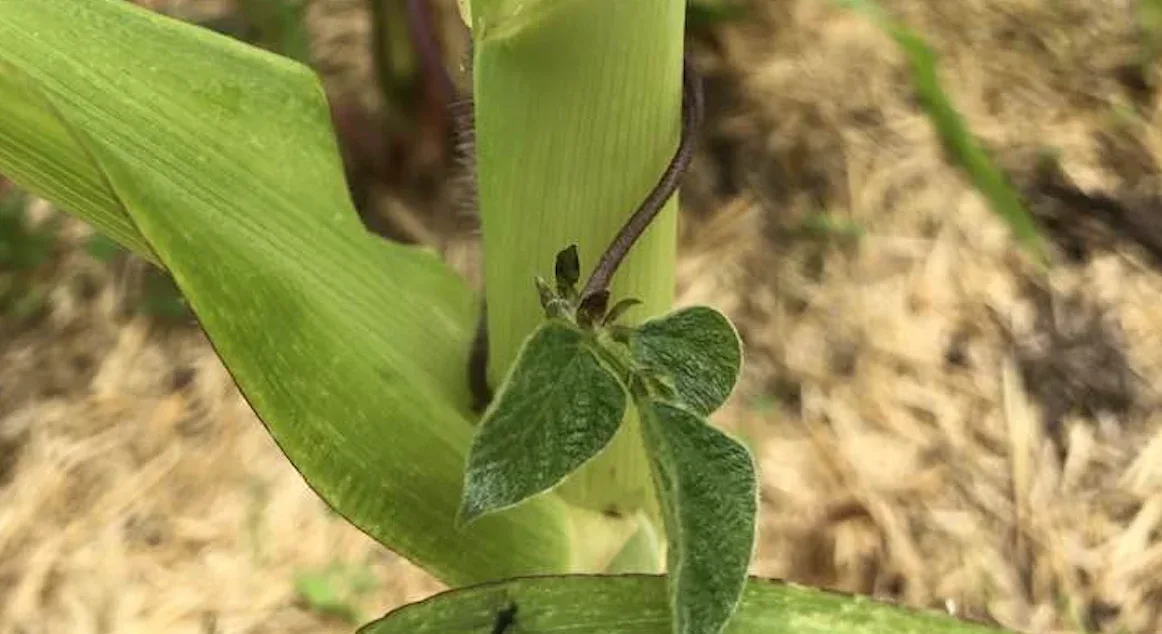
(23,250)
(960,145)
(335,590)
(831,226)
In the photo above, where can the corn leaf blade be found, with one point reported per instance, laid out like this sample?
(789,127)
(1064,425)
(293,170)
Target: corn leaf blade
(637,604)
(218,160)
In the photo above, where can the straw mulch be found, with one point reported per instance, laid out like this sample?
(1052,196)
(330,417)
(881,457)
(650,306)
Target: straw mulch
(936,422)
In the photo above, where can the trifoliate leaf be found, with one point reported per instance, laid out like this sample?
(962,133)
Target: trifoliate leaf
(558,407)
(700,351)
(706,486)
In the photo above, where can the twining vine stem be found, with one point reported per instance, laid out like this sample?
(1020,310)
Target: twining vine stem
(693,111)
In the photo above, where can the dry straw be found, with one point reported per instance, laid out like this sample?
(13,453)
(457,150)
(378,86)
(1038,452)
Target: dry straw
(907,454)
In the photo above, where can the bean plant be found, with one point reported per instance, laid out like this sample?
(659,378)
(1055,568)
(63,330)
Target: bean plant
(592,494)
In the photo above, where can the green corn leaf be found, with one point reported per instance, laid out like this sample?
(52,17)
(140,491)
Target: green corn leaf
(634,604)
(218,161)
(959,143)
(557,408)
(38,150)
(698,349)
(706,486)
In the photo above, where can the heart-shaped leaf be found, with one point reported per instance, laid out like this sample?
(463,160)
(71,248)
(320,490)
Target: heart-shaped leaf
(558,407)
(697,348)
(706,486)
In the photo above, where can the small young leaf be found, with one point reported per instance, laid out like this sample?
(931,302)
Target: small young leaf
(698,348)
(619,309)
(568,270)
(557,408)
(706,486)
(660,385)
(555,306)
(545,293)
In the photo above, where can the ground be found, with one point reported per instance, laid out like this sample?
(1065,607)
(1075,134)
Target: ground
(936,420)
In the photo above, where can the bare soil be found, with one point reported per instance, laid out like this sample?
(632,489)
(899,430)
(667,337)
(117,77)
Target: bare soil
(936,422)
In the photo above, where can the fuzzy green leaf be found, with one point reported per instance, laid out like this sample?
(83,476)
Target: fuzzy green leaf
(706,486)
(557,408)
(698,349)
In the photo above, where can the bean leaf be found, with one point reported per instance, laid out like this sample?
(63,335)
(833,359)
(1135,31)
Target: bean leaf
(698,349)
(706,486)
(558,407)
